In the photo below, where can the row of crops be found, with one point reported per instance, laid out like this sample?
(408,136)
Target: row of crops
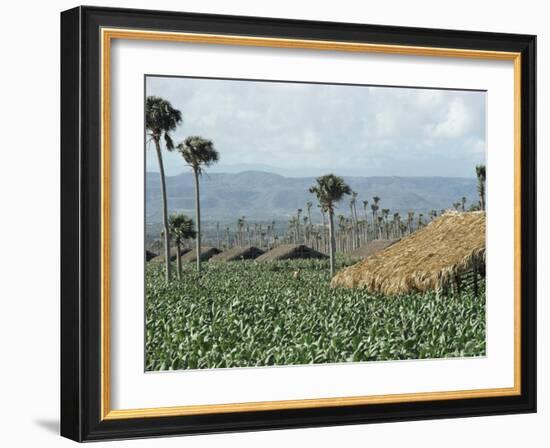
(244,314)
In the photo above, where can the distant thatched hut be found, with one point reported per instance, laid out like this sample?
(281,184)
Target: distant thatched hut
(433,257)
(290,251)
(173,252)
(150,255)
(206,254)
(238,253)
(371,248)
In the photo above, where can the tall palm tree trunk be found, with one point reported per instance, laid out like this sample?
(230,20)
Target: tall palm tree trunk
(324,234)
(168,271)
(356,225)
(482,200)
(198,220)
(332,240)
(178,259)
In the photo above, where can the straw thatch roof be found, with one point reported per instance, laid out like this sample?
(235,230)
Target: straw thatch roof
(289,251)
(430,258)
(173,251)
(206,254)
(371,248)
(238,253)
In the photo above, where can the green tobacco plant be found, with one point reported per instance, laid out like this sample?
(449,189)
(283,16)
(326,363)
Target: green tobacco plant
(246,314)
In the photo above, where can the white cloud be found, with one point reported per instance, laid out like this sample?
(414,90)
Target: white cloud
(385,123)
(310,140)
(457,123)
(350,129)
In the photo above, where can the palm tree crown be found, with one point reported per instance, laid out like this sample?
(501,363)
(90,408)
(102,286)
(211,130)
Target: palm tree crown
(160,119)
(198,152)
(480,171)
(329,190)
(182,227)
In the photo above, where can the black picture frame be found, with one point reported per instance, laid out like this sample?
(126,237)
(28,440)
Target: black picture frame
(81,224)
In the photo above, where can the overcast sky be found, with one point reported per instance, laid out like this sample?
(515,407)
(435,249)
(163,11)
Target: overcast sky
(312,129)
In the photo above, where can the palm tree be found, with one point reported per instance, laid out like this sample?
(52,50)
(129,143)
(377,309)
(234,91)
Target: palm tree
(240,231)
(292,229)
(341,232)
(198,153)
(480,172)
(329,190)
(463,203)
(268,235)
(309,204)
(365,208)
(354,220)
(410,218)
(324,232)
(397,224)
(306,230)
(385,214)
(374,208)
(298,213)
(182,228)
(273,232)
(160,119)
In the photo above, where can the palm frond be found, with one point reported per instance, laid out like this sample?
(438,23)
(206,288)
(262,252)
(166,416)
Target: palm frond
(169,142)
(198,152)
(160,116)
(329,190)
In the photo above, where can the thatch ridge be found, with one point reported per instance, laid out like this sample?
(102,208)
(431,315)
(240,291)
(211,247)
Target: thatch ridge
(371,248)
(206,253)
(290,251)
(238,253)
(173,252)
(430,258)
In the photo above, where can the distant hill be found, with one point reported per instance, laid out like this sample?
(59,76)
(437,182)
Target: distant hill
(264,196)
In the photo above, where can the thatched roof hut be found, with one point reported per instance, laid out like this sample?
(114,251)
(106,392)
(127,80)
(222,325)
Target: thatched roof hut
(238,253)
(371,248)
(173,251)
(206,254)
(290,251)
(149,255)
(431,258)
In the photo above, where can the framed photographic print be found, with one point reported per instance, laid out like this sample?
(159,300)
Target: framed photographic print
(273,223)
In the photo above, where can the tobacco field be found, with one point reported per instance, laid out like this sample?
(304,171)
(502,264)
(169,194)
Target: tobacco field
(247,314)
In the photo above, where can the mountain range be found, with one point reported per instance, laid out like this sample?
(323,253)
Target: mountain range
(265,196)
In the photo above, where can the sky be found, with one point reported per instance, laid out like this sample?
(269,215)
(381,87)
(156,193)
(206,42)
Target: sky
(303,130)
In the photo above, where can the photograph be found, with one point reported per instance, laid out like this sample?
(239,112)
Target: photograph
(275,222)
(296,223)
